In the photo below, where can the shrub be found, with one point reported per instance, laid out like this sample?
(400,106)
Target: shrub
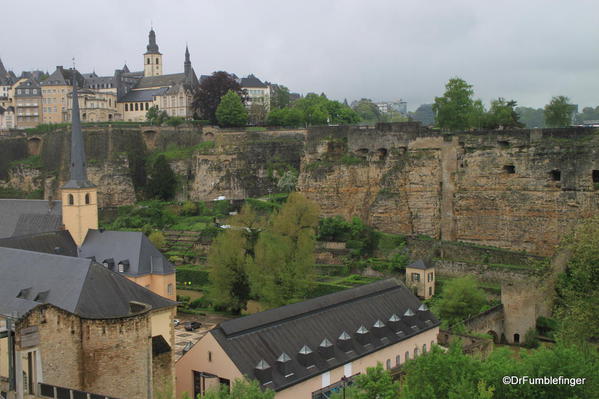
(193,275)
(158,239)
(189,208)
(530,339)
(202,302)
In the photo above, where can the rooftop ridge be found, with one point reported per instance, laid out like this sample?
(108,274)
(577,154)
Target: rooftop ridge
(303,309)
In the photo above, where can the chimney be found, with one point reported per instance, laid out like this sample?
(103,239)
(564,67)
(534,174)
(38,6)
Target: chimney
(284,364)
(263,372)
(326,349)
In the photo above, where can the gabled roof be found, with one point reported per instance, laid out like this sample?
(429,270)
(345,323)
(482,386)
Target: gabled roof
(76,285)
(143,95)
(252,81)
(64,77)
(130,246)
(57,242)
(265,336)
(11,211)
(160,81)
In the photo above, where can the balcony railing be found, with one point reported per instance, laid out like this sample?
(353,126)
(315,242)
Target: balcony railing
(55,392)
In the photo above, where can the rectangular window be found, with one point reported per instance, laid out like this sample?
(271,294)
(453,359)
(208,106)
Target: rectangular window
(326,379)
(347,370)
(415,277)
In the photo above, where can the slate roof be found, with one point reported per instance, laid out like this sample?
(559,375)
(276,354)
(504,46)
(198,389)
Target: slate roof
(57,242)
(29,83)
(64,77)
(301,327)
(11,211)
(420,264)
(143,95)
(160,81)
(76,285)
(132,246)
(252,81)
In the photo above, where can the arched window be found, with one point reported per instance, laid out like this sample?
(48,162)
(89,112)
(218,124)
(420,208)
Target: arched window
(87,201)
(423,349)
(516,338)
(157,61)
(149,61)
(169,289)
(137,106)
(397,360)
(388,364)
(406,357)
(415,353)
(71,199)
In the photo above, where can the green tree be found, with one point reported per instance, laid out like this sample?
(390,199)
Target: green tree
(155,116)
(367,110)
(502,114)
(241,389)
(424,114)
(559,112)
(376,383)
(531,117)
(231,111)
(229,256)
(461,298)
(279,97)
(283,268)
(577,295)
(211,90)
(162,181)
(287,181)
(455,109)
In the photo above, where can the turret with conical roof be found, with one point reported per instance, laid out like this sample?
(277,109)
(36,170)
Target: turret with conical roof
(79,195)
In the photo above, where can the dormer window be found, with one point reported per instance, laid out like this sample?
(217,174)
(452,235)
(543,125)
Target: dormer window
(123,266)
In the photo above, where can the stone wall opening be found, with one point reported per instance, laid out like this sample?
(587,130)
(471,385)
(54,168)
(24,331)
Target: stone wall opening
(34,145)
(509,169)
(595,176)
(382,153)
(503,144)
(555,174)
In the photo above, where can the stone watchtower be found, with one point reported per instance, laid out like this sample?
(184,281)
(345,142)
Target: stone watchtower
(420,277)
(79,195)
(152,57)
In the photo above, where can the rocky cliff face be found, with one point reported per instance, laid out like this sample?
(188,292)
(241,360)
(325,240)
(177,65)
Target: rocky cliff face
(520,189)
(513,189)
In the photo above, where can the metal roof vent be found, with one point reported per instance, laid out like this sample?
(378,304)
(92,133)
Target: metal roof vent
(378,328)
(414,328)
(362,335)
(423,308)
(305,356)
(284,364)
(409,313)
(428,323)
(326,349)
(344,342)
(394,322)
(263,372)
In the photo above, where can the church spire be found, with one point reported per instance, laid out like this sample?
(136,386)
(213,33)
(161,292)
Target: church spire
(78,173)
(152,47)
(187,63)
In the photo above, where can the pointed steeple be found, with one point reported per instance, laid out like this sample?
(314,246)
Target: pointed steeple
(125,68)
(187,63)
(2,70)
(78,173)
(152,47)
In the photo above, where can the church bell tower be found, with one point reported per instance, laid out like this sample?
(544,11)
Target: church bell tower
(79,195)
(152,57)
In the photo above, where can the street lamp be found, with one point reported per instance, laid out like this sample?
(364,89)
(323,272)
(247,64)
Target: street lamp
(344,379)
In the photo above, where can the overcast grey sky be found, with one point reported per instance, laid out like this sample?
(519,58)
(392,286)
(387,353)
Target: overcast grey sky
(527,50)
